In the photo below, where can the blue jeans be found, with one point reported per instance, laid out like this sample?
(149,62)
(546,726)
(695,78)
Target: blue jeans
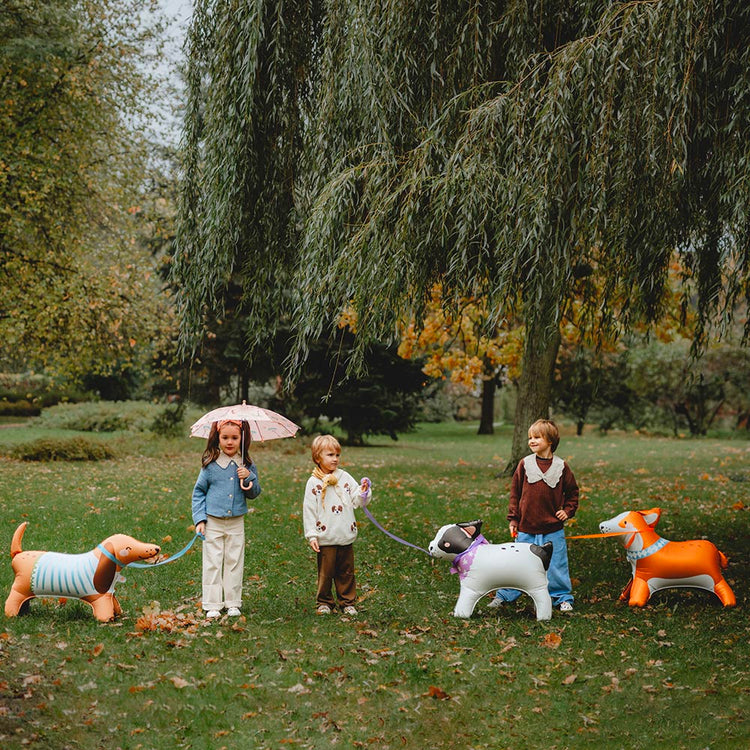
(558,577)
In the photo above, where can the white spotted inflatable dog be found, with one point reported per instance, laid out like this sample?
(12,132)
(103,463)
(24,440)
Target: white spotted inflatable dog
(483,567)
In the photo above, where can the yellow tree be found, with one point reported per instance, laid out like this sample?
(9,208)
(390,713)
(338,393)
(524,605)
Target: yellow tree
(455,343)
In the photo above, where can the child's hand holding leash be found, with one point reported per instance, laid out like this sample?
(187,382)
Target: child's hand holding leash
(364,491)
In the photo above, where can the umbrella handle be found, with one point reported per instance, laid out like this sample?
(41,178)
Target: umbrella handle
(242,456)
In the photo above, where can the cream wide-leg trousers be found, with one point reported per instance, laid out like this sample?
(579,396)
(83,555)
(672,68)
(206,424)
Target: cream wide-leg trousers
(223,562)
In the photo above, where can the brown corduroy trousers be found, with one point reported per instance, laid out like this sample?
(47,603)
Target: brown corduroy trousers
(336,566)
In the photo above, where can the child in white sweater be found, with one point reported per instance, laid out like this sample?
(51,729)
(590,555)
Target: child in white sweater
(331,495)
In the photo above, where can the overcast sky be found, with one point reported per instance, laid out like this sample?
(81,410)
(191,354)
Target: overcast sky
(178,9)
(177,13)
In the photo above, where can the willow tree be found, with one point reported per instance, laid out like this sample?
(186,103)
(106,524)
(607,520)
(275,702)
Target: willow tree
(250,78)
(527,153)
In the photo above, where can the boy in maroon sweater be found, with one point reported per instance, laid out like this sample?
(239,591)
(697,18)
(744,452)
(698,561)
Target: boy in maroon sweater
(543,495)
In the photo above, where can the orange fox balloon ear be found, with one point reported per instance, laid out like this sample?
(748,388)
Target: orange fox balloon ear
(651,516)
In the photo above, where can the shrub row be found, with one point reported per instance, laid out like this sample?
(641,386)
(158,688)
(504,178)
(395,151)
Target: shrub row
(101,416)
(26,394)
(62,449)
(19,408)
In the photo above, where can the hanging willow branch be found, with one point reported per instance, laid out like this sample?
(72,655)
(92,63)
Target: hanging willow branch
(611,151)
(248,94)
(354,153)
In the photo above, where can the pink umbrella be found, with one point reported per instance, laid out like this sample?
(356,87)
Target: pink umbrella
(264,423)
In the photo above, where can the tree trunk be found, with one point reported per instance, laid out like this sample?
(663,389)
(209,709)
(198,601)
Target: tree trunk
(244,383)
(534,392)
(486,423)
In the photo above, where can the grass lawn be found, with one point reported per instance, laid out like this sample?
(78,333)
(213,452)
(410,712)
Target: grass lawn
(404,672)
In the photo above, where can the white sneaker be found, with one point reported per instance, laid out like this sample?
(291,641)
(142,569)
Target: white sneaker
(234,612)
(323,609)
(212,614)
(350,610)
(496,603)
(566,607)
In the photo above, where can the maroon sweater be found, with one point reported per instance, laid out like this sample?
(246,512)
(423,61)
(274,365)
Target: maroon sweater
(533,505)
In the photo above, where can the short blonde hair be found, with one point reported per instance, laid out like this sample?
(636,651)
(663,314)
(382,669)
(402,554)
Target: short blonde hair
(548,430)
(320,444)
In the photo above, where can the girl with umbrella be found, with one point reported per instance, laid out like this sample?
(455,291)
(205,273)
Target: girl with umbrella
(227,479)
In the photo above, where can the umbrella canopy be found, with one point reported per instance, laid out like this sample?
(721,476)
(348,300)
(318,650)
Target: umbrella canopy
(264,423)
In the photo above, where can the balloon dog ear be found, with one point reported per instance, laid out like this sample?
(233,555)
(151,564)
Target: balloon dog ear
(458,538)
(472,528)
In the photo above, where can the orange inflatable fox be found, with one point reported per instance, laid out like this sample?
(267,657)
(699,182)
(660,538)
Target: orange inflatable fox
(658,563)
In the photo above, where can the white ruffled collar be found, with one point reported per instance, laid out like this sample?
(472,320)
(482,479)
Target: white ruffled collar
(223,460)
(551,477)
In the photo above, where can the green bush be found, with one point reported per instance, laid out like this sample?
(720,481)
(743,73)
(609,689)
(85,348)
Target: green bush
(20,408)
(37,390)
(62,449)
(170,421)
(100,416)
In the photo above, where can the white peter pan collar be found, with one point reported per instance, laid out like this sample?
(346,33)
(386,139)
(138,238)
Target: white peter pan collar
(551,477)
(223,460)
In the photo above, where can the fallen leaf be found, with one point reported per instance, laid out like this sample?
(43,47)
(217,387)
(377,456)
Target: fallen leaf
(437,694)
(570,679)
(179,682)
(551,640)
(298,689)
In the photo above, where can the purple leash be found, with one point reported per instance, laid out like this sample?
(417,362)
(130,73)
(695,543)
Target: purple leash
(365,495)
(393,536)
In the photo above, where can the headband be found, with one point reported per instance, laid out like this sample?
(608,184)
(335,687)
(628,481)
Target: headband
(223,422)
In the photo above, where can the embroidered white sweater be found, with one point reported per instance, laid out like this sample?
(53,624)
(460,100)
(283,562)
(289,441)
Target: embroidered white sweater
(329,516)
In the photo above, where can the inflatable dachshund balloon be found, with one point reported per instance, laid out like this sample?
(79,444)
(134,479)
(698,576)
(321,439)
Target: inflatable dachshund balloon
(90,576)
(659,564)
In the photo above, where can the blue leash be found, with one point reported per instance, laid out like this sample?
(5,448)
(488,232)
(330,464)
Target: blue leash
(111,557)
